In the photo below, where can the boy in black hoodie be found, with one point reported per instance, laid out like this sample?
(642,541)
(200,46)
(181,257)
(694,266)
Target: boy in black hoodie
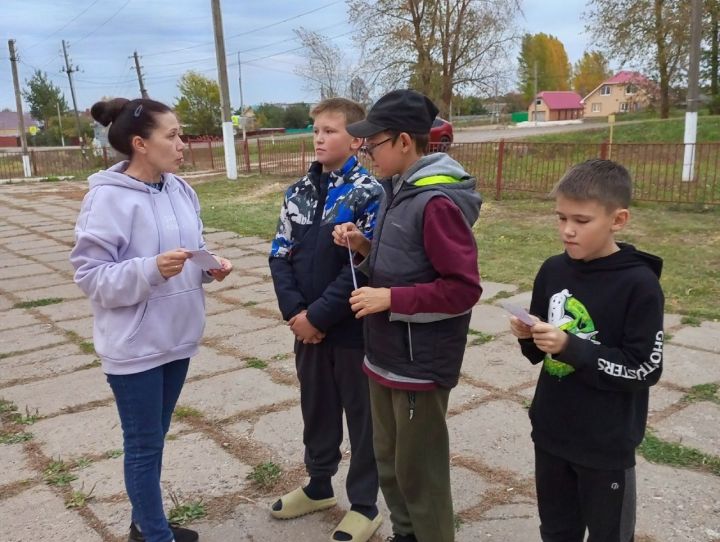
(601,348)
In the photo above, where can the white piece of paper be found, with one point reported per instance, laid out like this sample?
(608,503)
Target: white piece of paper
(204,260)
(518,312)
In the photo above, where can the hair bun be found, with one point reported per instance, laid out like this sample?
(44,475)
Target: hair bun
(107,112)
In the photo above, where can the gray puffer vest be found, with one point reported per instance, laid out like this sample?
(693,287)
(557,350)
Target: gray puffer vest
(428,346)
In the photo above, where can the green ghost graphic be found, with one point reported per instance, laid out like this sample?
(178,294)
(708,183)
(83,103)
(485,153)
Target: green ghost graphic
(569,314)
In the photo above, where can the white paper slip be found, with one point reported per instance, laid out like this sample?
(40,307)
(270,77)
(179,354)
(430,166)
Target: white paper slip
(204,260)
(518,312)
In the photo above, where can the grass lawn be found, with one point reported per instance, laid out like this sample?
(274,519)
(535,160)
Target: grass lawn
(516,235)
(649,131)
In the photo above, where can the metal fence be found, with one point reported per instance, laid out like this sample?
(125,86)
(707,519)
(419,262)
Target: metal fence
(501,167)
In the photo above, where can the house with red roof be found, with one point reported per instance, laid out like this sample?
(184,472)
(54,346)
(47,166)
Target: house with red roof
(556,105)
(10,127)
(624,92)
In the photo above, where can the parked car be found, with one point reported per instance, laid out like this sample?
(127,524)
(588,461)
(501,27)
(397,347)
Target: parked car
(441,135)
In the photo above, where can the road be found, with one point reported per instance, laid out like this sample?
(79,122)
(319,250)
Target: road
(476,134)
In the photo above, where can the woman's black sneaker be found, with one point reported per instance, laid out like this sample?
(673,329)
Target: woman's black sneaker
(179,534)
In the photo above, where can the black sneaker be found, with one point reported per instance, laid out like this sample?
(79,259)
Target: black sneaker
(401,538)
(179,534)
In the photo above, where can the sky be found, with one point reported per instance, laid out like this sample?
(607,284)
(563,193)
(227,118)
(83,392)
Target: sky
(172,37)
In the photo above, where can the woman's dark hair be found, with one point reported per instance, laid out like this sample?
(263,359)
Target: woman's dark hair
(127,118)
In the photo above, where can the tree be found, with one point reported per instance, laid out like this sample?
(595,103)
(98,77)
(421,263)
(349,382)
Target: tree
(324,62)
(464,41)
(198,106)
(269,116)
(547,53)
(710,63)
(43,97)
(652,33)
(359,91)
(297,116)
(589,72)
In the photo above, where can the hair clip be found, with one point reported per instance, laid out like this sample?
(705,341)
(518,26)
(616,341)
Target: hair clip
(138,111)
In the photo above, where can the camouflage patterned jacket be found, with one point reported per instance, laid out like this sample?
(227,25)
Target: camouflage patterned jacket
(309,271)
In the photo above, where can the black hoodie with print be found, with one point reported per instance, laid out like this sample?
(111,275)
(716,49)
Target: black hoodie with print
(591,402)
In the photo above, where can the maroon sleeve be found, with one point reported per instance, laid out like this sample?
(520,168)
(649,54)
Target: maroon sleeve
(451,249)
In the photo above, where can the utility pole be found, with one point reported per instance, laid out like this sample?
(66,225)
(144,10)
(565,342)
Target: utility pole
(688,173)
(62,136)
(18,103)
(242,103)
(143,91)
(227,127)
(69,69)
(535,97)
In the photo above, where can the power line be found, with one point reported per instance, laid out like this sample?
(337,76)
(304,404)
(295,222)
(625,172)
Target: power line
(63,27)
(103,23)
(258,29)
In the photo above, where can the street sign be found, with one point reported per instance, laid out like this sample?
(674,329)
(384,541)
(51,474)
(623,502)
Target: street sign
(611,119)
(235,120)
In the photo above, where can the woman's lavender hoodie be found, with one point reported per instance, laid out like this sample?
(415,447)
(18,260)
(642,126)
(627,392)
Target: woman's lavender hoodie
(141,319)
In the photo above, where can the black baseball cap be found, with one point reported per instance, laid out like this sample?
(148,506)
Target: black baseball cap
(402,110)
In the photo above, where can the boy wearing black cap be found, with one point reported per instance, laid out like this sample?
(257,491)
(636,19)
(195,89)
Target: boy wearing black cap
(423,281)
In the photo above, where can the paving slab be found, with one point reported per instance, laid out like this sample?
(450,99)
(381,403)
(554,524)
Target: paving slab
(25,269)
(14,318)
(28,338)
(235,322)
(505,523)
(491,289)
(706,336)
(689,367)
(662,397)
(67,310)
(39,515)
(14,465)
(232,281)
(208,361)
(5,303)
(522,299)
(490,319)
(249,262)
(52,395)
(695,426)
(499,363)
(677,505)
(62,291)
(90,432)
(83,327)
(193,466)
(253,293)
(11,369)
(222,396)
(263,344)
(464,394)
(281,432)
(213,305)
(498,432)
(32,282)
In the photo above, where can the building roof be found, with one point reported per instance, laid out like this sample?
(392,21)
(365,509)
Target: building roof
(622,77)
(561,99)
(9,120)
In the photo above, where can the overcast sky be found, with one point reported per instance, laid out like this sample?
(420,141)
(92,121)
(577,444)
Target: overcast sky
(173,37)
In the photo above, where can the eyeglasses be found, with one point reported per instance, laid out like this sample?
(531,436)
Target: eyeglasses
(367,150)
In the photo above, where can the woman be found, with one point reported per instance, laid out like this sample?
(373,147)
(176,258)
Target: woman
(136,227)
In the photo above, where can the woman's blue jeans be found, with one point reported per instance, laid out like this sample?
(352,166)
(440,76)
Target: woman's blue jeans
(145,402)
